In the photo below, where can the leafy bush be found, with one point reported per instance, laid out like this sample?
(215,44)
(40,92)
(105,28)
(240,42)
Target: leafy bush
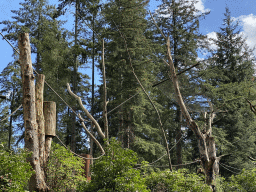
(114,171)
(64,171)
(179,180)
(15,172)
(244,182)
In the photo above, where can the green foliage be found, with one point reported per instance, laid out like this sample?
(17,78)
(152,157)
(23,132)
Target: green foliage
(64,171)
(114,171)
(14,170)
(244,182)
(227,80)
(179,180)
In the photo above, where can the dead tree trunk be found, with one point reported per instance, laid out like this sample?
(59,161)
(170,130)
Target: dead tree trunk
(36,182)
(206,143)
(40,119)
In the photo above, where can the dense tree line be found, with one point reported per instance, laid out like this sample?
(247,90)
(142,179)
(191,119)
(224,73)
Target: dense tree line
(222,82)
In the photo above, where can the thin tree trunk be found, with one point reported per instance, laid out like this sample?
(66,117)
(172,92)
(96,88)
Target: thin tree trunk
(92,107)
(178,138)
(73,116)
(104,95)
(10,125)
(36,182)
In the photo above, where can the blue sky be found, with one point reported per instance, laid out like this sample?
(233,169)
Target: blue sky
(243,11)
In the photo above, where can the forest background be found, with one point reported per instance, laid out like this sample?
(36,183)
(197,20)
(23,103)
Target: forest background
(135,124)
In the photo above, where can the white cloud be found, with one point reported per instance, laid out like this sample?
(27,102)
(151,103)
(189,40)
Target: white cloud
(248,23)
(200,6)
(212,36)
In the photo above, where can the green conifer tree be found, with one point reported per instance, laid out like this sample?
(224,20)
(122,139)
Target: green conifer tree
(227,79)
(135,123)
(180,21)
(49,42)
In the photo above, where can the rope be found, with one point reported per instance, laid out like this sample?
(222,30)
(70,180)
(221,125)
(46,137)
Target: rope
(172,165)
(166,152)
(45,81)
(9,43)
(75,153)
(227,169)
(63,100)
(230,166)
(11,113)
(121,104)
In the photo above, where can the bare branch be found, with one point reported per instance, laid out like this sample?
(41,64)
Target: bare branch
(252,159)
(87,112)
(91,135)
(157,25)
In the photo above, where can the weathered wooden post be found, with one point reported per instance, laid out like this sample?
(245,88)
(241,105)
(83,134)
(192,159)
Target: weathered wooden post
(87,166)
(50,125)
(40,119)
(36,182)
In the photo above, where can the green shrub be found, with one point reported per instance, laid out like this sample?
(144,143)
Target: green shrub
(64,171)
(179,180)
(115,172)
(15,171)
(244,182)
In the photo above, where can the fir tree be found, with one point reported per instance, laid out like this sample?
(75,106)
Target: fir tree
(227,78)
(135,122)
(49,43)
(180,21)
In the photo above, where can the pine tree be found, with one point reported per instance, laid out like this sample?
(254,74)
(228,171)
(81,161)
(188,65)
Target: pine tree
(10,82)
(134,123)
(227,78)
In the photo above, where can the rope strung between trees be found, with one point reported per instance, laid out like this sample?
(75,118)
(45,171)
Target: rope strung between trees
(75,153)
(227,168)
(11,113)
(166,152)
(45,81)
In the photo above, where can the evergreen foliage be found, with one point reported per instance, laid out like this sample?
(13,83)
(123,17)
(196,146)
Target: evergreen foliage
(53,53)
(226,79)
(10,82)
(134,123)
(180,21)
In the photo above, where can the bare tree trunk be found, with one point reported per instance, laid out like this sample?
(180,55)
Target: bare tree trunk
(178,138)
(36,182)
(207,152)
(10,125)
(40,119)
(50,125)
(104,95)
(73,116)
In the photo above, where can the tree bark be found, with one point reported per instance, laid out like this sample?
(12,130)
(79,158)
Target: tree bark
(206,142)
(40,119)
(36,182)
(50,125)
(10,125)
(178,138)
(104,95)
